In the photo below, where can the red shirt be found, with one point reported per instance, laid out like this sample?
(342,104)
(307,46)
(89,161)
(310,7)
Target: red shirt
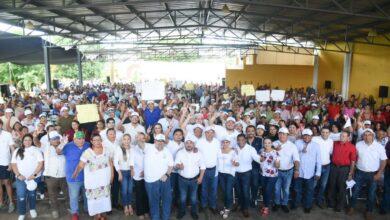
(333,111)
(343,153)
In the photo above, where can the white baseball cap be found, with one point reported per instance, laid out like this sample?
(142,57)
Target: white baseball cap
(369,130)
(64,108)
(134,114)
(278,111)
(209,128)
(314,104)
(297,117)
(9,110)
(261,127)
(315,117)
(2,101)
(367,122)
(43,115)
(198,126)
(283,130)
(263,115)
(160,137)
(190,138)
(307,131)
(231,119)
(27,112)
(225,138)
(54,134)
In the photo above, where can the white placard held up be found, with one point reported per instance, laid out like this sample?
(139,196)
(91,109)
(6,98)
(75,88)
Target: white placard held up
(154,90)
(278,95)
(263,95)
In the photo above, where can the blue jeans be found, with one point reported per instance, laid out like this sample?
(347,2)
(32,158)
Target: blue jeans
(159,191)
(226,183)
(255,183)
(75,188)
(209,189)
(322,182)
(304,188)
(386,193)
(362,178)
(268,184)
(243,188)
(126,188)
(188,187)
(175,188)
(282,187)
(24,196)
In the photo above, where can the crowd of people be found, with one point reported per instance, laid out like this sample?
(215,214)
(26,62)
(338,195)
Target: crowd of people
(149,157)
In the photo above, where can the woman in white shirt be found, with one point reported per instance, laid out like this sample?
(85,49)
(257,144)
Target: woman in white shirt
(27,164)
(122,163)
(227,161)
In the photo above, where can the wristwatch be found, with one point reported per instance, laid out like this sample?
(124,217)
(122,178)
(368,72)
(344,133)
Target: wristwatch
(168,175)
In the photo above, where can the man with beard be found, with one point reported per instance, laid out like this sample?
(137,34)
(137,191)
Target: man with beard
(168,122)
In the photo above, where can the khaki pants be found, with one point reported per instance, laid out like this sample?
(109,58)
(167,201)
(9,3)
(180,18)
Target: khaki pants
(54,185)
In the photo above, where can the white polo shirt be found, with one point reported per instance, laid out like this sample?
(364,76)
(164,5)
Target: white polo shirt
(6,141)
(118,138)
(174,147)
(245,157)
(156,163)
(27,165)
(133,131)
(137,156)
(225,162)
(288,154)
(54,164)
(110,147)
(192,162)
(370,156)
(209,150)
(326,148)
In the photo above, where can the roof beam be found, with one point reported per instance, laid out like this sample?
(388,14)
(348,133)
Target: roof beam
(171,16)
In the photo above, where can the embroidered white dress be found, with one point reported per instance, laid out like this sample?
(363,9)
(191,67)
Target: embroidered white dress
(97,173)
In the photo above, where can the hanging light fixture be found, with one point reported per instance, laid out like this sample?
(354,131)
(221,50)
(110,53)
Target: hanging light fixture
(225,9)
(372,33)
(29,25)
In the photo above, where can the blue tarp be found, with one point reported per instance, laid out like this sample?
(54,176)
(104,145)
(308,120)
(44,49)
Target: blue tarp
(26,50)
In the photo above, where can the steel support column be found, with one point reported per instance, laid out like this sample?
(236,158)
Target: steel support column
(80,68)
(346,74)
(315,73)
(46,59)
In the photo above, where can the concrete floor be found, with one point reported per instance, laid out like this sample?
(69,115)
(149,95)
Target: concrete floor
(316,214)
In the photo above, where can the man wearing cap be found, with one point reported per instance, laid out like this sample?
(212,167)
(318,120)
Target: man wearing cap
(151,113)
(7,146)
(361,128)
(230,132)
(246,154)
(370,166)
(342,169)
(134,127)
(54,170)
(326,148)
(8,119)
(313,111)
(289,167)
(29,120)
(65,120)
(158,164)
(309,170)
(191,168)
(72,152)
(169,123)
(209,147)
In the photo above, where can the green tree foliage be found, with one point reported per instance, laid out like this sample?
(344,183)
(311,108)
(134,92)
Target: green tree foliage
(23,76)
(91,70)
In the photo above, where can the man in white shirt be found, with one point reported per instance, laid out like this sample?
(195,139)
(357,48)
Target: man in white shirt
(246,154)
(54,170)
(309,170)
(6,148)
(110,123)
(191,168)
(289,167)
(169,122)
(158,164)
(209,148)
(230,132)
(8,119)
(370,166)
(326,147)
(134,127)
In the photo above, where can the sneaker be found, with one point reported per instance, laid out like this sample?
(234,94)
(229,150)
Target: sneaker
(21,217)
(306,210)
(226,214)
(75,217)
(264,212)
(195,216)
(285,209)
(11,208)
(321,205)
(180,215)
(54,214)
(33,213)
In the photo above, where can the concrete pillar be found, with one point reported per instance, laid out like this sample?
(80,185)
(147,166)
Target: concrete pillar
(80,68)
(315,73)
(346,74)
(46,59)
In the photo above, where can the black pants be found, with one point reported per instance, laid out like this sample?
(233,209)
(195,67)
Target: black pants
(115,190)
(141,198)
(338,176)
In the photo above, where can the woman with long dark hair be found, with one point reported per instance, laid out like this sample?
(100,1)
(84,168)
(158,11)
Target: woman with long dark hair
(27,164)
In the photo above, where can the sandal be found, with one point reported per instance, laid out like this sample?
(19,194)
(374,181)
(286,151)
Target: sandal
(265,212)
(130,210)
